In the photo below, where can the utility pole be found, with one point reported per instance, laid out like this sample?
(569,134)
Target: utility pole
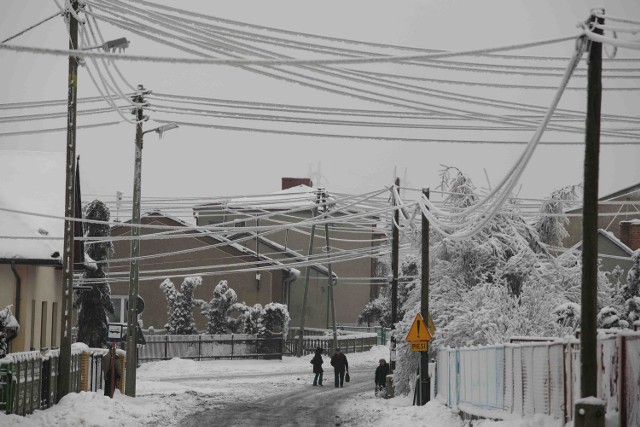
(591,414)
(395,250)
(332,295)
(64,367)
(425,381)
(132,315)
(303,313)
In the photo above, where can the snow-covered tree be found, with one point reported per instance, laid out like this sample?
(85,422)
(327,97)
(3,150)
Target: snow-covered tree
(94,305)
(379,310)
(7,321)
(216,310)
(248,319)
(632,288)
(631,291)
(551,224)
(609,318)
(180,305)
(499,283)
(568,315)
(632,310)
(275,319)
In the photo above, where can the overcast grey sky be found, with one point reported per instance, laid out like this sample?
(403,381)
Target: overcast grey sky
(207,162)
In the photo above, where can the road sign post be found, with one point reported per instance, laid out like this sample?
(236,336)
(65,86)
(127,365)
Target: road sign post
(419,335)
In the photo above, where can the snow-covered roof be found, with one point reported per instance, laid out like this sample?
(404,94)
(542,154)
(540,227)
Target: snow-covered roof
(609,235)
(31,181)
(230,243)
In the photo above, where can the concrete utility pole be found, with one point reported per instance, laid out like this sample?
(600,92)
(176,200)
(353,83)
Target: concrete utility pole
(303,313)
(132,308)
(132,316)
(425,381)
(591,414)
(395,261)
(64,367)
(332,295)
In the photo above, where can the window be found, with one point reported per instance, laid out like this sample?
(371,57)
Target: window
(43,325)
(119,309)
(54,323)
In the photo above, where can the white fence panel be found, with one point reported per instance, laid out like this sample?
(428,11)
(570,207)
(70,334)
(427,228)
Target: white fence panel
(556,381)
(508,402)
(609,366)
(631,374)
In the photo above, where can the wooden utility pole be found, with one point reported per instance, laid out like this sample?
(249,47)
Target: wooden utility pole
(395,250)
(425,381)
(64,373)
(591,414)
(132,314)
(303,313)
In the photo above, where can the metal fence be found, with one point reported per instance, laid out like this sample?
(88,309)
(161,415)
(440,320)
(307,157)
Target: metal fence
(29,380)
(354,343)
(384,334)
(208,347)
(540,378)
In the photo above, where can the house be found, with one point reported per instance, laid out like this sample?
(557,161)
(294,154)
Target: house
(193,253)
(618,229)
(623,205)
(612,254)
(30,246)
(286,214)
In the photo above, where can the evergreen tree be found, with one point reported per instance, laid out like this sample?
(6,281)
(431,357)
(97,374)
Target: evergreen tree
(609,318)
(216,310)
(6,321)
(248,320)
(94,305)
(275,319)
(631,291)
(180,305)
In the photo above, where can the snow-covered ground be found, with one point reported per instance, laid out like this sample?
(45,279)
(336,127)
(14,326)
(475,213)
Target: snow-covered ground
(169,390)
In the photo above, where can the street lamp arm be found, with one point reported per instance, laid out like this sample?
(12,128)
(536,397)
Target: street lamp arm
(161,129)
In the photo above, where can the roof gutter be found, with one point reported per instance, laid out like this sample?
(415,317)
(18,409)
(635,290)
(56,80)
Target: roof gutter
(18,290)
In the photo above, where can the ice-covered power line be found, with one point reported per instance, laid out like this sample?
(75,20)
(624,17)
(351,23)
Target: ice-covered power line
(262,53)
(51,130)
(243,62)
(31,27)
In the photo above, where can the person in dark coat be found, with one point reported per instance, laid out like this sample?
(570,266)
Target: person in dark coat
(317,367)
(340,366)
(106,369)
(381,377)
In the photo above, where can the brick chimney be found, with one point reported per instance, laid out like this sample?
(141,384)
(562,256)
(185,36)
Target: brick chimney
(630,233)
(293,182)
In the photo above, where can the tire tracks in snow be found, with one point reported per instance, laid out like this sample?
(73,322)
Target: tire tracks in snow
(300,405)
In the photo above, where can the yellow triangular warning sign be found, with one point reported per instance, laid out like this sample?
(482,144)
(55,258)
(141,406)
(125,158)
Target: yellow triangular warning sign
(419,331)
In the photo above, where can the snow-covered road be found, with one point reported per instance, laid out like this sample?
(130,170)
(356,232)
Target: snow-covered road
(297,405)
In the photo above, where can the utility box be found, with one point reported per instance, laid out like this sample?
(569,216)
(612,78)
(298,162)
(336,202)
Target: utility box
(390,391)
(589,414)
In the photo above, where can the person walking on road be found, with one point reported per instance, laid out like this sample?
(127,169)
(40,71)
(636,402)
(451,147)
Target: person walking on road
(340,366)
(317,367)
(381,377)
